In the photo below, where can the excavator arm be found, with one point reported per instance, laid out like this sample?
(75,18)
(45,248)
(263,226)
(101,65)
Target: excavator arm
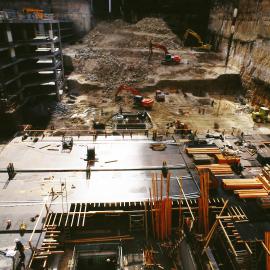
(194,34)
(168,58)
(158,46)
(125,87)
(144,102)
(203,46)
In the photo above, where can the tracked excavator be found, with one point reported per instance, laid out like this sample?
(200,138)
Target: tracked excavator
(138,99)
(168,58)
(201,45)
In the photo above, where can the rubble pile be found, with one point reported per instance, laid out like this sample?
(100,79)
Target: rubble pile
(153,25)
(115,68)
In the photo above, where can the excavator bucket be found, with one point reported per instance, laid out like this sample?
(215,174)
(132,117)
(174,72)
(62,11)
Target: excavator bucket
(147,103)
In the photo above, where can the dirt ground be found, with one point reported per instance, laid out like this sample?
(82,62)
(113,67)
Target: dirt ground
(116,53)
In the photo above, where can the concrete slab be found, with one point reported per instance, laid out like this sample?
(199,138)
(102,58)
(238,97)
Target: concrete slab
(48,155)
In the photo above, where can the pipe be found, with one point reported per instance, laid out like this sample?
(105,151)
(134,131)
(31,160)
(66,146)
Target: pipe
(110,6)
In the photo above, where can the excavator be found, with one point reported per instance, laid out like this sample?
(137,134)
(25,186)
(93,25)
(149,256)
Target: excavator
(168,58)
(202,46)
(261,116)
(139,100)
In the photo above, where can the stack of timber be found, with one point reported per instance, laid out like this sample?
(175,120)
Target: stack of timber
(227,159)
(251,193)
(265,177)
(246,188)
(233,184)
(203,150)
(216,169)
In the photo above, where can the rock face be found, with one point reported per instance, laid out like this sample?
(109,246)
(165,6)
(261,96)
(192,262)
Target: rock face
(250,51)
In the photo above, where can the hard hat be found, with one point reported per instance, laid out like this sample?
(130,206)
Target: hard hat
(16,240)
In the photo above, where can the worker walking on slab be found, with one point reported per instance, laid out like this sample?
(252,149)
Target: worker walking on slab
(164,169)
(20,247)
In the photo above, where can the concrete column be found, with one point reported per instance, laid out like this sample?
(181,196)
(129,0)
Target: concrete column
(12,53)
(41,29)
(110,6)
(9,35)
(51,37)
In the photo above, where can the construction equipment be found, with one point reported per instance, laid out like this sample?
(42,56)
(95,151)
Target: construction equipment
(139,100)
(168,58)
(38,14)
(261,116)
(160,96)
(202,46)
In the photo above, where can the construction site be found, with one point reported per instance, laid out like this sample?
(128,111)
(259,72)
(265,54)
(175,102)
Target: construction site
(134,135)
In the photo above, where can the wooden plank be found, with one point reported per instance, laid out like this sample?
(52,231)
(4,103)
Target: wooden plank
(66,222)
(60,219)
(55,215)
(79,216)
(85,207)
(73,215)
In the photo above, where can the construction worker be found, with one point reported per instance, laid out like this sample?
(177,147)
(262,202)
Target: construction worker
(20,247)
(164,169)
(154,135)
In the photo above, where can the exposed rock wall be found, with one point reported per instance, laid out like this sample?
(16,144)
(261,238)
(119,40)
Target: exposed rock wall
(78,11)
(250,51)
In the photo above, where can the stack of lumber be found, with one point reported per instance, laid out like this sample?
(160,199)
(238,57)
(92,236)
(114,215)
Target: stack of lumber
(265,182)
(252,188)
(203,150)
(216,169)
(254,183)
(246,188)
(251,193)
(221,159)
(265,177)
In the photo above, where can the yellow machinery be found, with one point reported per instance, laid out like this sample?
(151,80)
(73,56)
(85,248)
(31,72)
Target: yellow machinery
(39,13)
(202,46)
(261,116)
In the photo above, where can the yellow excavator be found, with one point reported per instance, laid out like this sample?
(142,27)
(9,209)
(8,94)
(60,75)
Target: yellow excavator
(201,45)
